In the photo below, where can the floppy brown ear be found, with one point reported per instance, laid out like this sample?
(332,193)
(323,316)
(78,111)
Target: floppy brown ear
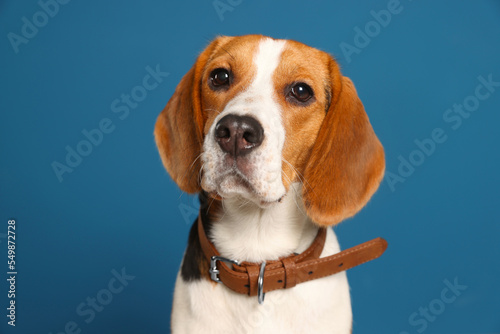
(179,127)
(346,163)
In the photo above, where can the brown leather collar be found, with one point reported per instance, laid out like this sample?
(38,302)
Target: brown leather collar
(289,271)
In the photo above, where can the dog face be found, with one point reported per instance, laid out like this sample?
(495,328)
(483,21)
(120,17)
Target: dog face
(255,114)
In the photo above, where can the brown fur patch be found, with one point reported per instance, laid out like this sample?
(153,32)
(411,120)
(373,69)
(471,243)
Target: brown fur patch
(346,163)
(300,63)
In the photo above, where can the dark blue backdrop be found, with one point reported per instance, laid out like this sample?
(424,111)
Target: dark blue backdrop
(101,233)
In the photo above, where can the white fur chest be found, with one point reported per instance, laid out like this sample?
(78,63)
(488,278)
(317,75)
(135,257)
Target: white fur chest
(202,306)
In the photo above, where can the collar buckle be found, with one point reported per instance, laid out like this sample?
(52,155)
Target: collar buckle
(214,272)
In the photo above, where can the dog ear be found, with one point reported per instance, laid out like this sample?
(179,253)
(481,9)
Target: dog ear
(179,127)
(346,163)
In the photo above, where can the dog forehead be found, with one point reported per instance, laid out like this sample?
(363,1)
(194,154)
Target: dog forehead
(280,62)
(250,51)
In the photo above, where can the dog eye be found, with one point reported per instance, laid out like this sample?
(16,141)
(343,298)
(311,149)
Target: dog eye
(219,78)
(302,92)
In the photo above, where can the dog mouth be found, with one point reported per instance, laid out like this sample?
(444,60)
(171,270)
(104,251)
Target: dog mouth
(240,166)
(235,183)
(234,179)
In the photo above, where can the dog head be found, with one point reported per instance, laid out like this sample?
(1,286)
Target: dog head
(255,114)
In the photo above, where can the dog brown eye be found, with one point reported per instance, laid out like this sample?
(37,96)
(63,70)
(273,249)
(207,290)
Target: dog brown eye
(302,92)
(219,78)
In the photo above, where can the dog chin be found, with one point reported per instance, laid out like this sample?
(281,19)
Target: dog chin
(235,187)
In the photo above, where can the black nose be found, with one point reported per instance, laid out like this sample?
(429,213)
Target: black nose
(238,135)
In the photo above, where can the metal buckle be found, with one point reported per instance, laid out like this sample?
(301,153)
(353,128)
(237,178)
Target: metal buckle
(214,272)
(260,283)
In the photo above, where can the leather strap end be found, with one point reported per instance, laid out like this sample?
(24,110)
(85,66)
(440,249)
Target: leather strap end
(383,246)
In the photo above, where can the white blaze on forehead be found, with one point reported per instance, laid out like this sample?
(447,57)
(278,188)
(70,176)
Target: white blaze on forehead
(259,94)
(267,60)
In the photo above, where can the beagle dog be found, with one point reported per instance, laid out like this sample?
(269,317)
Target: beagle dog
(278,145)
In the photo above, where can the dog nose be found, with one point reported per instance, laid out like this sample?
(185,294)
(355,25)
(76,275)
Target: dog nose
(238,135)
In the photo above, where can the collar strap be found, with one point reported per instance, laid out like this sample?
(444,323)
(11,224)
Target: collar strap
(288,271)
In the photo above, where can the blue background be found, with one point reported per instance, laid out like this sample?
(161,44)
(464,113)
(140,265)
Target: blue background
(119,209)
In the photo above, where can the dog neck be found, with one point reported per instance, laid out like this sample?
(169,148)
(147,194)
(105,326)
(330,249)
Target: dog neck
(245,231)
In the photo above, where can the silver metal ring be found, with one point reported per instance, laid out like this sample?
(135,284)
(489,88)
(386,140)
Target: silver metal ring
(260,283)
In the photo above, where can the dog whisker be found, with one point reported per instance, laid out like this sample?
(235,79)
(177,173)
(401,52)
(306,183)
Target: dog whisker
(301,177)
(200,173)
(295,197)
(191,166)
(210,204)
(215,110)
